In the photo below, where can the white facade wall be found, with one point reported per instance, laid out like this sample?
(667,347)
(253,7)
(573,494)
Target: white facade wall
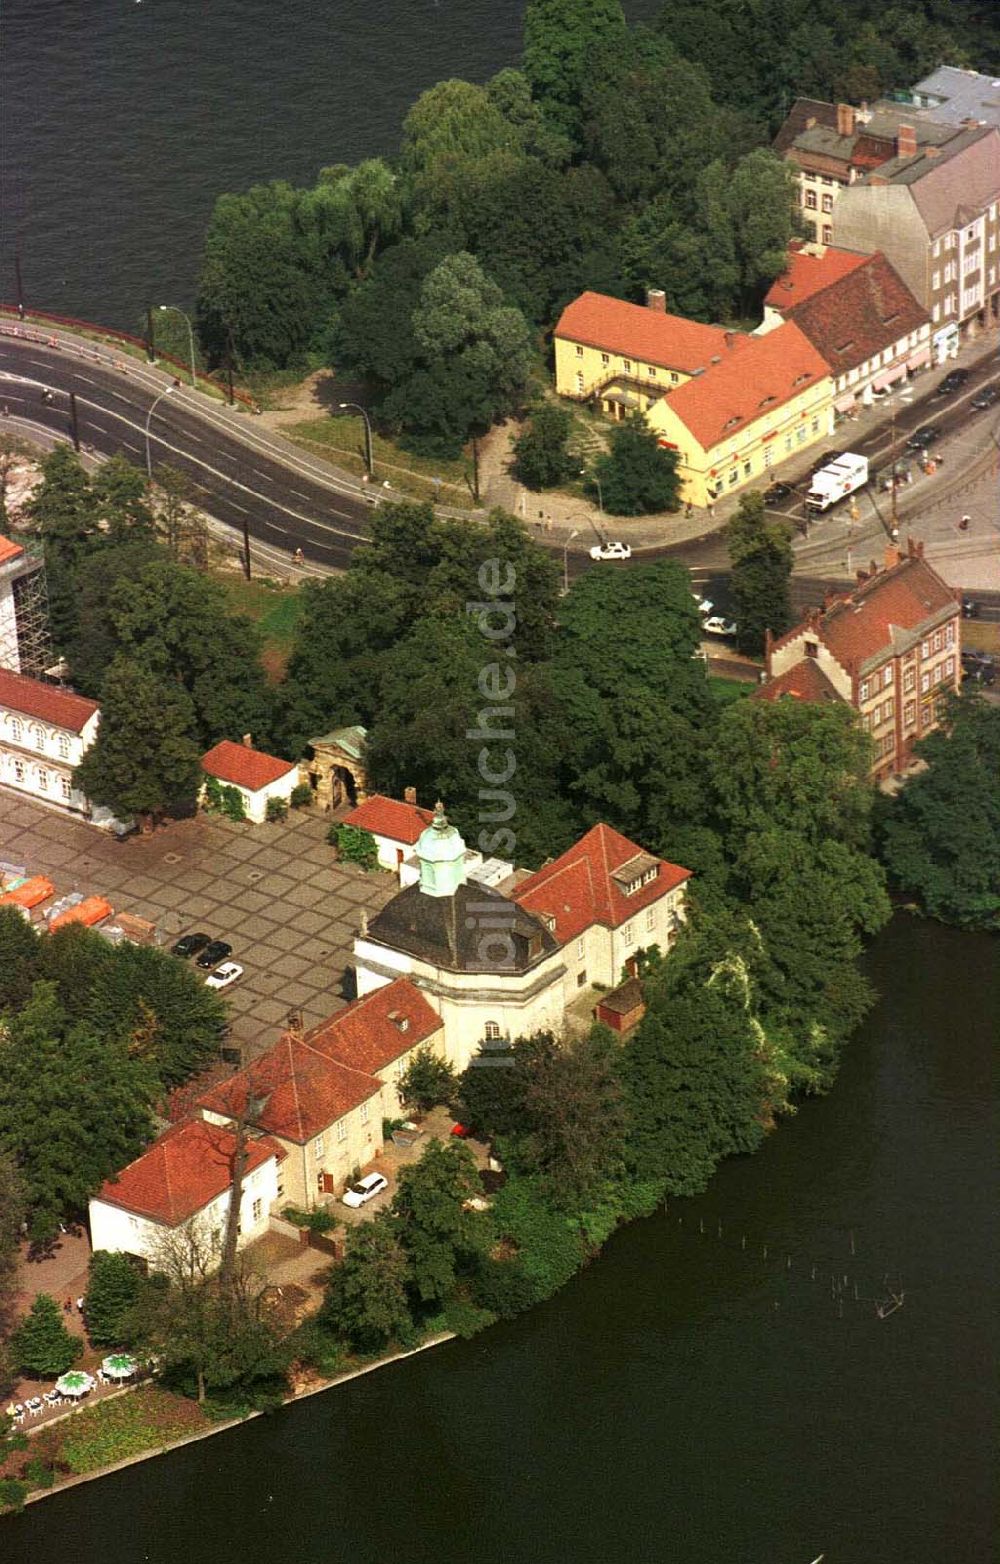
(39,758)
(126,1232)
(255,801)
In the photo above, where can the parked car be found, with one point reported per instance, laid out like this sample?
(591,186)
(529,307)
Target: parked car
(611,551)
(985,398)
(777,492)
(364,1190)
(979,666)
(703,604)
(926,435)
(970,608)
(215,951)
(953,381)
(717,625)
(224,976)
(189,945)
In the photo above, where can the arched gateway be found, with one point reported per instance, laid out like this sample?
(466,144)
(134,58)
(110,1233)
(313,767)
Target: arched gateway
(337,771)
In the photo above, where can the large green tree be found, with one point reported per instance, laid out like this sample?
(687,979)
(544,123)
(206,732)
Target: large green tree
(13,1210)
(541,458)
(435,1230)
(637,476)
(940,835)
(41,1344)
(113,1288)
(145,759)
(760,553)
(74,1107)
(366,1299)
(561,40)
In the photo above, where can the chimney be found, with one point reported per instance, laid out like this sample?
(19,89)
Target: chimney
(409,795)
(730,338)
(845,120)
(906,141)
(892,556)
(656,299)
(248,740)
(932,151)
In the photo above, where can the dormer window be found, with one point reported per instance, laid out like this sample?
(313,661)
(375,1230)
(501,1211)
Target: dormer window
(812,648)
(548,918)
(399,1021)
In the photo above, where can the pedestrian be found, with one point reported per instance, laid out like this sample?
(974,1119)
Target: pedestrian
(79,1305)
(299,557)
(68,1306)
(965,523)
(711,508)
(688,509)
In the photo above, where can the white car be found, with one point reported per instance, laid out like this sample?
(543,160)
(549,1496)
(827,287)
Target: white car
(364,1190)
(717,625)
(611,551)
(224,976)
(703,605)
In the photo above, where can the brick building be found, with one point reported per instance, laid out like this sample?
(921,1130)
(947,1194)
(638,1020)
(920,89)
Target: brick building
(891,648)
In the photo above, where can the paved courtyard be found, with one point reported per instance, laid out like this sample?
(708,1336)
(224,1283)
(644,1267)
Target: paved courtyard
(273,891)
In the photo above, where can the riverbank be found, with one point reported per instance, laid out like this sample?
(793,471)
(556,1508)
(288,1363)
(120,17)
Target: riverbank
(61,1484)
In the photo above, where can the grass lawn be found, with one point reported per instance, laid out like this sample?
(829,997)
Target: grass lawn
(274,609)
(726,691)
(344,437)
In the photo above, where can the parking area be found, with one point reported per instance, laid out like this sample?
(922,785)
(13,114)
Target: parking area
(274,892)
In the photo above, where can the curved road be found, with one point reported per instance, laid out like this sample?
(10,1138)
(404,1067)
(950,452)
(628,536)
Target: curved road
(253,480)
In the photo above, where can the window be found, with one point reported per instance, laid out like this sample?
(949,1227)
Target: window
(256,1209)
(38,734)
(579,350)
(63,742)
(341,1131)
(949,668)
(910,713)
(628,934)
(828,203)
(863,691)
(936,281)
(815,425)
(579,948)
(925,648)
(938,674)
(16,729)
(800,434)
(909,681)
(674,377)
(19,771)
(491,1031)
(936,312)
(650,918)
(925,683)
(747,469)
(937,247)
(949,637)
(318,1147)
(365,1112)
(651,371)
(581,979)
(788,442)
(811,200)
(627,365)
(605,360)
(811,648)
(734,477)
(938,642)
(887,677)
(579,382)
(65,788)
(827,234)
(888,709)
(43,779)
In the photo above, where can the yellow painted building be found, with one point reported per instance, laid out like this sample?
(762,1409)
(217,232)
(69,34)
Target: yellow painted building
(733,406)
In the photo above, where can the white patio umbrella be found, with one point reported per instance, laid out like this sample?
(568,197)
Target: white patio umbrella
(119,1365)
(75,1383)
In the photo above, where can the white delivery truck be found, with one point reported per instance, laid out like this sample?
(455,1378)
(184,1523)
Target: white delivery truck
(835,481)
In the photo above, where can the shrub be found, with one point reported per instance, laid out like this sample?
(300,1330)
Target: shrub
(275,809)
(316,1348)
(354,846)
(318,1221)
(221,799)
(42,1345)
(301,795)
(12,1494)
(113,1288)
(465,1318)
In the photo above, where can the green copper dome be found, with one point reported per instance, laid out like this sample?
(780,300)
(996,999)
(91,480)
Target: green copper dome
(441,854)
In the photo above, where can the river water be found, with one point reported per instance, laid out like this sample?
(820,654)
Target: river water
(122,120)
(687,1399)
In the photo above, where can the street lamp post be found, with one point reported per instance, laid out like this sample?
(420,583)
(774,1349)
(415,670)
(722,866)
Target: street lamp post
(369,460)
(187,320)
(149,418)
(574,534)
(597,485)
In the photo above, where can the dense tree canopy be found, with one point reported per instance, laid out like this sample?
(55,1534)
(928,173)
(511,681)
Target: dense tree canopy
(760,552)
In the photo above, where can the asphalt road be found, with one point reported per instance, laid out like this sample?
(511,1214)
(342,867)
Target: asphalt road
(253,481)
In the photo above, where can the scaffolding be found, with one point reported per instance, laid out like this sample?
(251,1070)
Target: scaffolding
(25,635)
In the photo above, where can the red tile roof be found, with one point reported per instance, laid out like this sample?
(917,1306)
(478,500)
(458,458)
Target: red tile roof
(306,1092)
(634,330)
(577,889)
(860,625)
(859,315)
(805,682)
(390,817)
(757,376)
(811,267)
(33,698)
(182,1172)
(9,549)
(374,1031)
(243,766)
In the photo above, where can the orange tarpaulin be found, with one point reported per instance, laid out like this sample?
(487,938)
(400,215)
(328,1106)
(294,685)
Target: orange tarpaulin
(93,909)
(31,893)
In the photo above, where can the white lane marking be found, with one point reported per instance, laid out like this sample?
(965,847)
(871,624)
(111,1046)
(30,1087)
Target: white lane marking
(273,525)
(233,506)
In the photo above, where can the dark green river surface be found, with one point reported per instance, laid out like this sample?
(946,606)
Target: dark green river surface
(685,1399)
